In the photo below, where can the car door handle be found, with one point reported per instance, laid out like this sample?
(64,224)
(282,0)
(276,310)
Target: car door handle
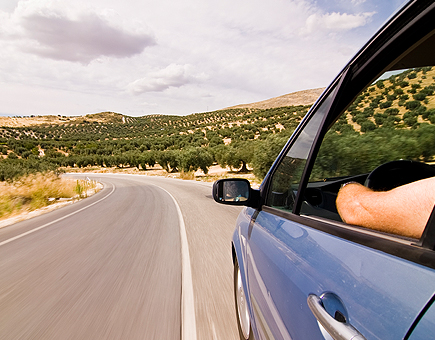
(337,326)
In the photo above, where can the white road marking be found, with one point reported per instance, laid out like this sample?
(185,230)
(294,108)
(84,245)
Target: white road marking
(188,324)
(188,320)
(52,222)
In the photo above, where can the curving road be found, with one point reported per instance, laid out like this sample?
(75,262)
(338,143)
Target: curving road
(114,266)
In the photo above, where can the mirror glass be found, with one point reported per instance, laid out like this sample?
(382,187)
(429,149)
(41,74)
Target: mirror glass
(235,191)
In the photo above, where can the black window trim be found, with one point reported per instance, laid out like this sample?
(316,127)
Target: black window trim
(343,79)
(265,186)
(427,239)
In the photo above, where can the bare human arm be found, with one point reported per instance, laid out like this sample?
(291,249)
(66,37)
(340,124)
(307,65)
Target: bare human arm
(404,210)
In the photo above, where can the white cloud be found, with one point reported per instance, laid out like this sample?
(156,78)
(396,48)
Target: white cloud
(74,57)
(161,80)
(68,33)
(357,2)
(82,40)
(149,105)
(335,22)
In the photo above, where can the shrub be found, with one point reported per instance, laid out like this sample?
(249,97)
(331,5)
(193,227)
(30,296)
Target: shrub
(419,96)
(392,111)
(380,84)
(412,75)
(412,105)
(428,91)
(386,104)
(428,113)
(379,119)
(367,126)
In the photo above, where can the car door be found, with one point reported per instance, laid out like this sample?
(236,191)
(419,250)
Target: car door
(292,257)
(380,295)
(307,270)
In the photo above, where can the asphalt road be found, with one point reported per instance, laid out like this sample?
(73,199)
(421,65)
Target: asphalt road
(114,266)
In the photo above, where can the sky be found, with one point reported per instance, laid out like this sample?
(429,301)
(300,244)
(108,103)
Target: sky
(141,57)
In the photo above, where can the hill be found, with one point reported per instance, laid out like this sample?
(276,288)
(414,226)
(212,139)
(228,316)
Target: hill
(305,97)
(398,108)
(103,118)
(402,101)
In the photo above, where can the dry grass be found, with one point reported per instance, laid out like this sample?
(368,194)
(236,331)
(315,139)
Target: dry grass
(36,191)
(187,175)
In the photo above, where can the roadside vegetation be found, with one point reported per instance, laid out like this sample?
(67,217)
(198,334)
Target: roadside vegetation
(34,191)
(393,110)
(232,138)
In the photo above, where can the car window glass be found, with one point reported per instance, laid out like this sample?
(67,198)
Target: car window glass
(286,178)
(393,119)
(425,327)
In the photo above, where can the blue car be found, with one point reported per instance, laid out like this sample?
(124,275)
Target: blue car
(300,271)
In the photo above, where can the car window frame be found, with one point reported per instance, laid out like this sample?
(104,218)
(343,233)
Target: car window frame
(327,99)
(374,58)
(427,239)
(266,184)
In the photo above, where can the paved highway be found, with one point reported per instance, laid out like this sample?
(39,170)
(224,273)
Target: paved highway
(145,258)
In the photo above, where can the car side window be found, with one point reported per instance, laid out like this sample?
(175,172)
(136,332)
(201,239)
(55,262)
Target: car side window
(287,176)
(392,120)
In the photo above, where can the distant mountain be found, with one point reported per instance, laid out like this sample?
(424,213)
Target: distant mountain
(102,117)
(305,97)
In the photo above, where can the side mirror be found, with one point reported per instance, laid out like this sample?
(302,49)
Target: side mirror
(233,191)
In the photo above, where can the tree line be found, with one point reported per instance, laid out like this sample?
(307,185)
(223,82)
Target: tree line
(231,138)
(398,112)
